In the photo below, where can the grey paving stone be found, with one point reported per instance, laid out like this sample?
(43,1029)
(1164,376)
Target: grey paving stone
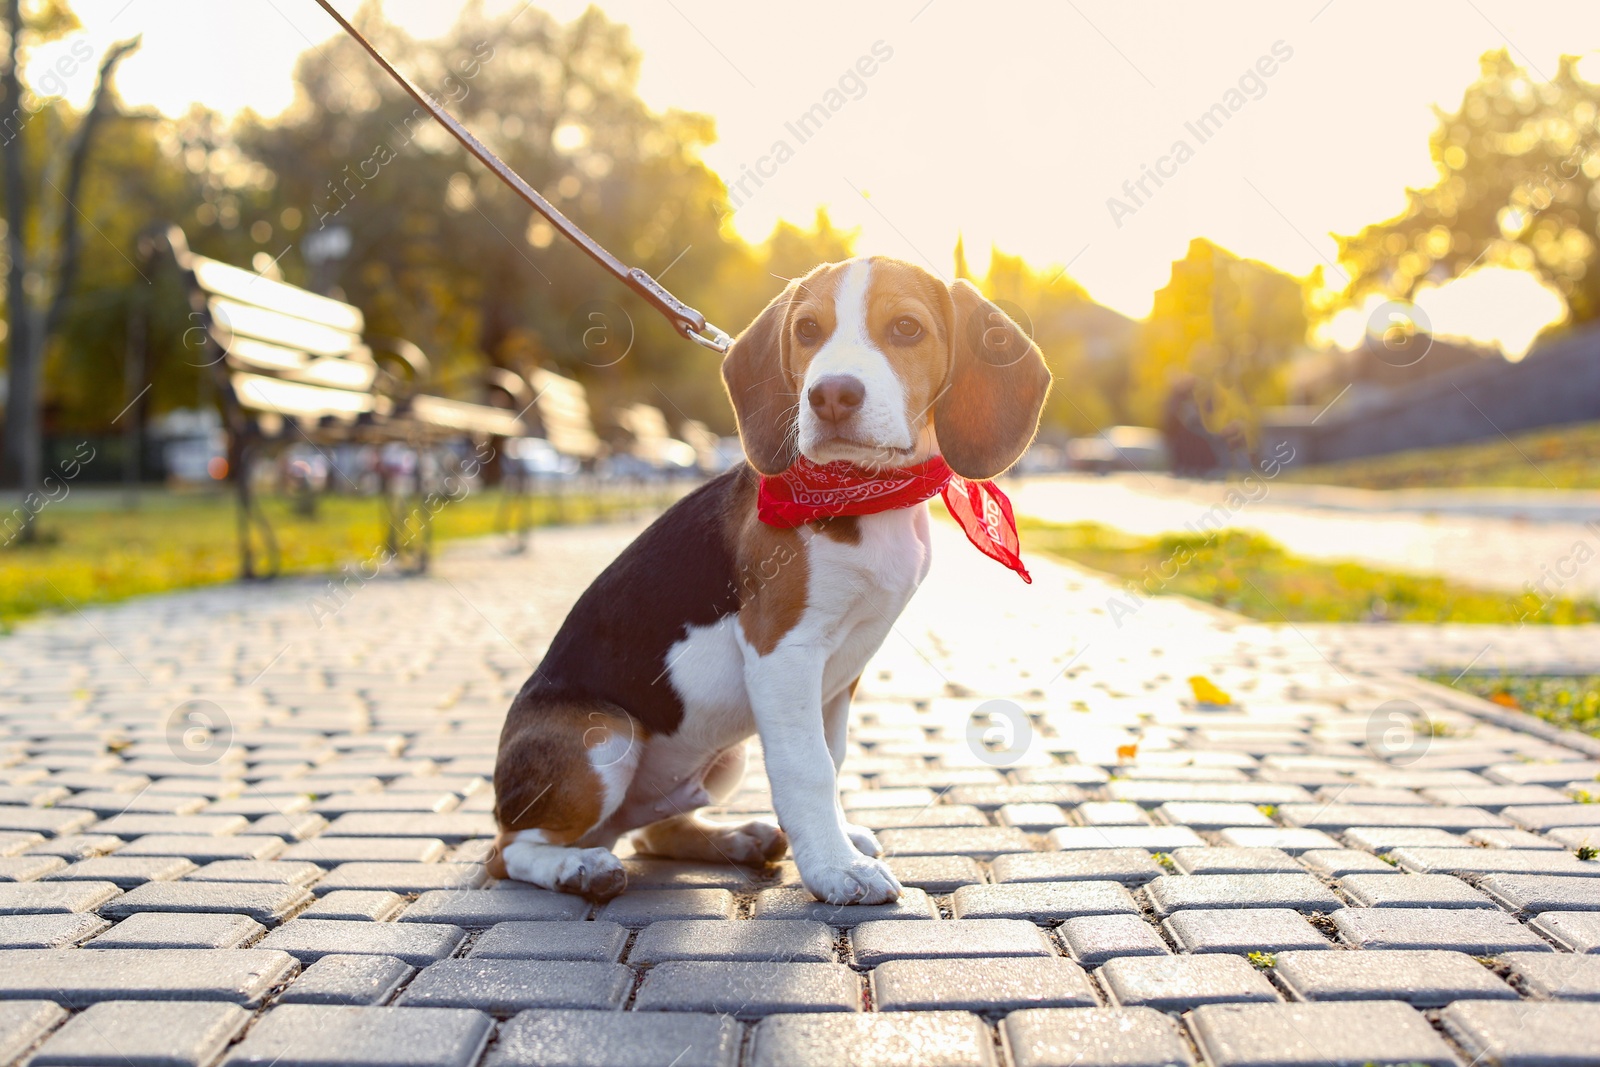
(125,872)
(1338,862)
(1111,813)
(403,877)
(653,905)
(1494,797)
(140,1034)
(792,902)
(375,905)
(1556,975)
(1477,933)
(890,1039)
(141,825)
(28,868)
(15,844)
(1147,792)
(1530,894)
(349,980)
(1094,1037)
(77,978)
(1033,818)
(1042,901)
(1499,837)
(504,987)
(980,843)
(106,803)
(1384,839)
(48,898)
(1423,979)
(451,827)
(1381,1033)
(265,903)
(936,874)
(1300,892)
(749,989)
(200,848)
(1094,939)
(1243,931)
(1351,793)
(1340,817)
(1202,815)
(476,909)
(1411,891)
(781,940)
(1179,983)
(51,822)
(190,930)
(1483,861)
(927,816)
(299,826)
(557,1038)
(597,942)
(23,1022)
(1235,861)
(994,796)
(1578,931)
(1542,817)
(1524,1035)
(1572,837)
(418,944)
(49,931)
(1291,839)
(982,985)
(282,872)
(1553,773)
(325,1035)
(898,939)
(333,851)
(1130,866)
(1149,838)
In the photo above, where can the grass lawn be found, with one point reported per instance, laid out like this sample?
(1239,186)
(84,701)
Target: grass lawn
(1252,575)
(93,550)
(1561,457)
(1573,702)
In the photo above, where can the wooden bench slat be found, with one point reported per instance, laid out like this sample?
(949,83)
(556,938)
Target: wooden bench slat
(260,393)
(246,353)
(285,330)
(241,285)
(468,418)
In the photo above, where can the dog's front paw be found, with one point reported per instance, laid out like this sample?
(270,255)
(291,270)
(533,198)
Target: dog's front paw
(865,840)
(863,881)
(590,872)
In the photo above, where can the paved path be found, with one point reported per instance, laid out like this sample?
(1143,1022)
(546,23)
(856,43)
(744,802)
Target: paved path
(1489,538)
(245,826)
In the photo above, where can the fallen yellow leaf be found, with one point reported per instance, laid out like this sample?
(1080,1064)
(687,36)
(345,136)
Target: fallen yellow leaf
(1127,752)
(1206,691)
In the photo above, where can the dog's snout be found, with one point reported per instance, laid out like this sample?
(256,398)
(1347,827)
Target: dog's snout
(835,397)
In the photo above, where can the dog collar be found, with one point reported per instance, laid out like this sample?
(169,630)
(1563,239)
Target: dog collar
(810,491)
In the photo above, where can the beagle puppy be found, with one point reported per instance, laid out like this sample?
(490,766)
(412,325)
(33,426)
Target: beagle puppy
(715,625)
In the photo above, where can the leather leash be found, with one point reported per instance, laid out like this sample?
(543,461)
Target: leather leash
(685,319)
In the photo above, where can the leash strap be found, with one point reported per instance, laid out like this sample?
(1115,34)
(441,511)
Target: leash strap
(685,319)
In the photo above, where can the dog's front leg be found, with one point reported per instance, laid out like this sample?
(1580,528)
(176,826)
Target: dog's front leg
(785,688)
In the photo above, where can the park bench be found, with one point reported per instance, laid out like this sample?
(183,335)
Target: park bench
(293,367)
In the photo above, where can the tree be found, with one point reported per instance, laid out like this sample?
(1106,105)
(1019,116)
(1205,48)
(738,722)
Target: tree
(40,279)
(1231,324)
(1519,187)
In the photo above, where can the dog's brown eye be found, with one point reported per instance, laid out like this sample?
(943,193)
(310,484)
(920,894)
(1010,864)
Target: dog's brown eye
(807,330)
(907,328)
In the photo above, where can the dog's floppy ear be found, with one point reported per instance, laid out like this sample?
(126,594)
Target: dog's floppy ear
(990,406)
(765,402)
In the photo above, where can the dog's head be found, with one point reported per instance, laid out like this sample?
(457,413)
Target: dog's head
(878,362)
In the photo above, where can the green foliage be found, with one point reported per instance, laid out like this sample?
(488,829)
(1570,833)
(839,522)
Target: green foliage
(1518,166)
(1566,457)
(1569,701)
(1253,575)
(1586,852)
(1263,961)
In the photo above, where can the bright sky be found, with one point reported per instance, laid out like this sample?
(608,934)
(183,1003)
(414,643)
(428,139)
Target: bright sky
(1012,124)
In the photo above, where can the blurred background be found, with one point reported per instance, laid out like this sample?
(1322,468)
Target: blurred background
(1318,281)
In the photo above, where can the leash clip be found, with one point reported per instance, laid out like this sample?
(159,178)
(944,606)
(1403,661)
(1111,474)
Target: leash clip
(707,336)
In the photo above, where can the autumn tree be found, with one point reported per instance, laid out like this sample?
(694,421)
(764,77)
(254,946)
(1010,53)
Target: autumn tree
(1518,187)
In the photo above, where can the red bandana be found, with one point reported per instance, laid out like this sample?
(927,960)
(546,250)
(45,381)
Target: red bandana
(808,491)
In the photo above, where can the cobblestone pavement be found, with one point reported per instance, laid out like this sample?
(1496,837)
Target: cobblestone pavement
(1494,539)
(245,826)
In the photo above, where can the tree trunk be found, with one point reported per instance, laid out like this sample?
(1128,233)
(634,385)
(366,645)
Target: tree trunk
(24,459)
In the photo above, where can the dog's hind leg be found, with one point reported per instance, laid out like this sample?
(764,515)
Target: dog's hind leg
(561,774)
(690,836)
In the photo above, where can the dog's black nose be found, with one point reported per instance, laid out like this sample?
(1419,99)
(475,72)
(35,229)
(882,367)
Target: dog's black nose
(835,397)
